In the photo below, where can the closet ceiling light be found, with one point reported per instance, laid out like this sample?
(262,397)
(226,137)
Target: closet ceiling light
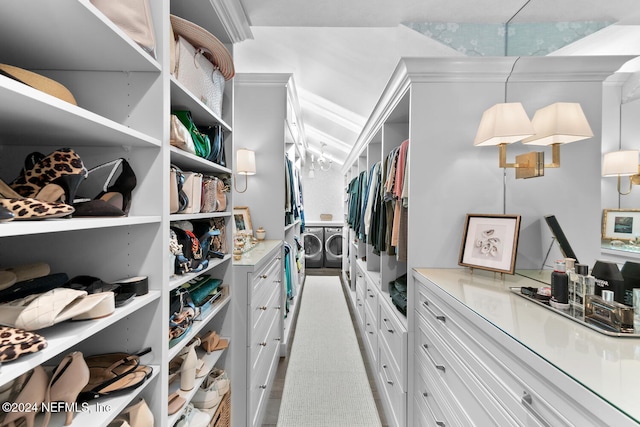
(555,124)
(245,165)
(622,163)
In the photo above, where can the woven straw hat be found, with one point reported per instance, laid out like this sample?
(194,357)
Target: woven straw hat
(39,82)
(199,37)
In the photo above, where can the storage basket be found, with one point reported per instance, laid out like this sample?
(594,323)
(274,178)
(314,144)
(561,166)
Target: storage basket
(222,416)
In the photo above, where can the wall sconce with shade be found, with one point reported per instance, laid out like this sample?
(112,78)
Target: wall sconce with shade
(622,163)
(245,165)
(555,124)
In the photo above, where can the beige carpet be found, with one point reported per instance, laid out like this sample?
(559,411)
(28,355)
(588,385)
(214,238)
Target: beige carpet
(326,384)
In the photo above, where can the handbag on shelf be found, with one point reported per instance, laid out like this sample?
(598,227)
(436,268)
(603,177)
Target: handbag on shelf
(201,288)
(200,140)
(182,312)
(214,194)
(178,199)
(216,139)
(219,240)
(199,75)
(134,18)
(193,189)
(180,136)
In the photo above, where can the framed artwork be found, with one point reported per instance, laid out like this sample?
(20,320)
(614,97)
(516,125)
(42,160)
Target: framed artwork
(242,220)
(620,224)
(490,242)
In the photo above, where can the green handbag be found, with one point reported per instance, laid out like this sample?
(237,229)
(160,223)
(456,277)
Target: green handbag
(200,140)
(201,288)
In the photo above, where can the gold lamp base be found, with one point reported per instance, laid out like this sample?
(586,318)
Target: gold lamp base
(530,165)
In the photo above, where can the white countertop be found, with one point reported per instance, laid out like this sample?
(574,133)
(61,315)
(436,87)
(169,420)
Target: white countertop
(323,223)
(608,366)
(255,255)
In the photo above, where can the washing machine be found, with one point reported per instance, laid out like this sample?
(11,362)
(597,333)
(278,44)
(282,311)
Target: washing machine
(333,247)
(313,247)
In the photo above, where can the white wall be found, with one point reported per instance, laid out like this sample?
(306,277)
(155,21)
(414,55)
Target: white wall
(323,194)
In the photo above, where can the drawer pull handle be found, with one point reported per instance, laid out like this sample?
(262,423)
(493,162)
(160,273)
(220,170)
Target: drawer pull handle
(277,281)
(527,402)
(263,386)
(276,339)
(278,308)
(387,326)
(426,305)
(387,376)
(371,296)
(438,423)
(264,307)
(278,258)
(264,276)
(264,344)
(425,347)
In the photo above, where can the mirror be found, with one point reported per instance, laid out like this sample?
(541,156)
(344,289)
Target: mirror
(620,225)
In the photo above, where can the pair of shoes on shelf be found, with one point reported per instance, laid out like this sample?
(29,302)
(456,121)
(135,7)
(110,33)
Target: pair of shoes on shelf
(112,373)
(35,388)
(15,343)
(123,295)
(111,200)
(213,342)
(193,417)
(176,402)
(36,285)
(28,389)
(40,311)
(45,188)
(188,366)
(136,415)
(48,185)
(212,390)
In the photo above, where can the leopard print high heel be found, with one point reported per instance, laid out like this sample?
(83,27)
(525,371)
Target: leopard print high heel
(51,178)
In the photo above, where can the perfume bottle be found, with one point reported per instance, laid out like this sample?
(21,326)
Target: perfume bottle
(559,286)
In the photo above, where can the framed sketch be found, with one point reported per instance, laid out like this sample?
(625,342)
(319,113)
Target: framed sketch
(490,242)
(242,220)
(620,224)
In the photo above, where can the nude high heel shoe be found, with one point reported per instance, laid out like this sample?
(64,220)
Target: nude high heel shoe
(138,415)
(31,394)
(188,370)
(68,379)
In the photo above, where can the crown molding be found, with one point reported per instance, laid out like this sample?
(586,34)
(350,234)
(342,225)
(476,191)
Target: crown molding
(234,19)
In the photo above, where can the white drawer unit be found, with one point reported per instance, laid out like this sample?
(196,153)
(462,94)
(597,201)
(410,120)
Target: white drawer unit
(393,334)
(497,378)
(260,315)
(385,337)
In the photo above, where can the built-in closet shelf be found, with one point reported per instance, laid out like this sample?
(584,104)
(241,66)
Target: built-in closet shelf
(68,35)
(65,335)
(188,161)
(199,325)
(188,217)
(178,280)
(182,99)
(210,360)
(20,228)
(102,411)
(26,112)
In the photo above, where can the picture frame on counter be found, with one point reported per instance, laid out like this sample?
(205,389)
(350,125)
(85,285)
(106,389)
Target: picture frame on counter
(620,224)
(242,220)
(490,242)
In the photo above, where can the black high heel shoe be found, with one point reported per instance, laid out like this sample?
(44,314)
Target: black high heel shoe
(112,200)
(51,178)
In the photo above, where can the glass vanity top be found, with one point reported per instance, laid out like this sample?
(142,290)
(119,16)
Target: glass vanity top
(608,366)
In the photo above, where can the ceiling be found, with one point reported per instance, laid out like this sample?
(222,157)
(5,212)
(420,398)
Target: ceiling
(342,52)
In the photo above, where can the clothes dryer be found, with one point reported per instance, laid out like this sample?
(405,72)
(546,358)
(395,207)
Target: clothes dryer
(313,247)
(333,247)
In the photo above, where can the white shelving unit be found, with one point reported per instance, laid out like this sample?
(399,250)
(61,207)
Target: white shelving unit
(124,101)
(437,103)
(268,120)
